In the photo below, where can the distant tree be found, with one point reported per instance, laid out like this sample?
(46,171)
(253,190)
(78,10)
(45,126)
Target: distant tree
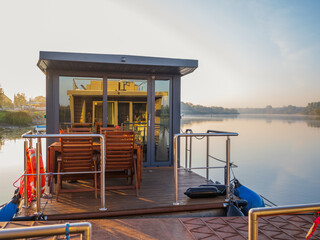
(39,99)
(19,100)
(1,97)
(269,109)
(317,111)
(313,108)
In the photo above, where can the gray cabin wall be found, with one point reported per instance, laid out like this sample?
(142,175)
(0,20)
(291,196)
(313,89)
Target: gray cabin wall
(52,105)
(176,110)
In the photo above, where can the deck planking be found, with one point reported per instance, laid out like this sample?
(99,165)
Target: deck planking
(156,192)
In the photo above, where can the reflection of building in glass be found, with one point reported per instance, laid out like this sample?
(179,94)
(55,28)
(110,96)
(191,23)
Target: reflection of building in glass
(127,102)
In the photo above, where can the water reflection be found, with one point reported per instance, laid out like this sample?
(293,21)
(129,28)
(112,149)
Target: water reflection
(314,123)
(311,121)
(12,133)
(11,159)
(191,119)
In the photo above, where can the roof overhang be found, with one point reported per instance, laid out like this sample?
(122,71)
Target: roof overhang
(114,63)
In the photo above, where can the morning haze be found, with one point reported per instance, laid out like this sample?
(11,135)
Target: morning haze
(251,53)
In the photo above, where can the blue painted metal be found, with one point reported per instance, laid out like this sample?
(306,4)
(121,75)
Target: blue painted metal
(8,211)
(254,200)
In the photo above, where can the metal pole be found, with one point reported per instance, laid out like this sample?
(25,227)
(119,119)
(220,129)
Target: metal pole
(190,153)
(48,230)
(186,157)
(252,226)
(228,169)
(175,164)
(38,181)
(102,176)
(25,200)
(207,171)
(30,141)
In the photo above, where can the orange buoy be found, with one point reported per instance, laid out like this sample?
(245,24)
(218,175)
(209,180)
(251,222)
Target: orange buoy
(32,180)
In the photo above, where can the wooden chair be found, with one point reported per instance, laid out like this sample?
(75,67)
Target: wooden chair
(79,130)
(81,125)
(119,157)
(76,156)
(110,129)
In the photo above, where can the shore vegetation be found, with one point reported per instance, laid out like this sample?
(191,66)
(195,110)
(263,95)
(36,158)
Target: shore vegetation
(15,118)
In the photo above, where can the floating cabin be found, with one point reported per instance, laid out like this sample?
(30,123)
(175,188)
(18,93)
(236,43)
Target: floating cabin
(136,93)
(139,94)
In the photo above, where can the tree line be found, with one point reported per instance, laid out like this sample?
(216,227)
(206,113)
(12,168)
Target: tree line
(19,100)
(189,108)
(311,109)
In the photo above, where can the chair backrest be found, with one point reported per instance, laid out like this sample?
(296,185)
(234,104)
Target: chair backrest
(81,125)
(76,154)
(79,130)
(119,150)
(110,129)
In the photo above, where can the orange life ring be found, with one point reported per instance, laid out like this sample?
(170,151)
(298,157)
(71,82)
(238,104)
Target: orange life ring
(32,180)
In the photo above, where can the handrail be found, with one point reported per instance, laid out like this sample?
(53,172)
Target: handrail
(49,230)
(38,179)
(254,213)
(175,152)
(190,149)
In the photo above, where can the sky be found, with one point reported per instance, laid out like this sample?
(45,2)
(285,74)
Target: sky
(250,53)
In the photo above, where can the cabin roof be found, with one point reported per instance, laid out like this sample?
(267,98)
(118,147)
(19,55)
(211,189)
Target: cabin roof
(114,63)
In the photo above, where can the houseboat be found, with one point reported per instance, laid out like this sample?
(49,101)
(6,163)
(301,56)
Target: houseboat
(132,93)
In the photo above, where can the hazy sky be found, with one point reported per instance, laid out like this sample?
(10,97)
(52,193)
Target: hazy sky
(251,53)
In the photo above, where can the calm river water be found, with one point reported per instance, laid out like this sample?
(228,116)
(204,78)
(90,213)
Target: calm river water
(278,155)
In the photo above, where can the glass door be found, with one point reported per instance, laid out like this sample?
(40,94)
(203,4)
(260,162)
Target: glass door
(129,99)
(161,123)
(143,106)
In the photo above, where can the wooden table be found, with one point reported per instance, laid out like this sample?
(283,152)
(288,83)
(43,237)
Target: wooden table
(56,148)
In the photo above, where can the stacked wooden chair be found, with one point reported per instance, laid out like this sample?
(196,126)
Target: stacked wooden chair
(76,156)
(120,161)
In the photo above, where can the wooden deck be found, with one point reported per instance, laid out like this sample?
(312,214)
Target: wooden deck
(220,228)
(156,196)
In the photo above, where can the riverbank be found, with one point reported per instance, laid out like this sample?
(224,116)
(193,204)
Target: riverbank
(9,119)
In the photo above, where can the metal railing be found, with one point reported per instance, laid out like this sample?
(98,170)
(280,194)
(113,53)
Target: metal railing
(38,174)
(188,149)
(210,134)
(254,213)
(84,228)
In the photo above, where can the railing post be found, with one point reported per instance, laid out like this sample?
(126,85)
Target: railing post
(207,170)
(227,183)
(102,176)
(186,155)
(190,153)
(175,164)
(38,181)
(30,143)
(25,200)
(252,226)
